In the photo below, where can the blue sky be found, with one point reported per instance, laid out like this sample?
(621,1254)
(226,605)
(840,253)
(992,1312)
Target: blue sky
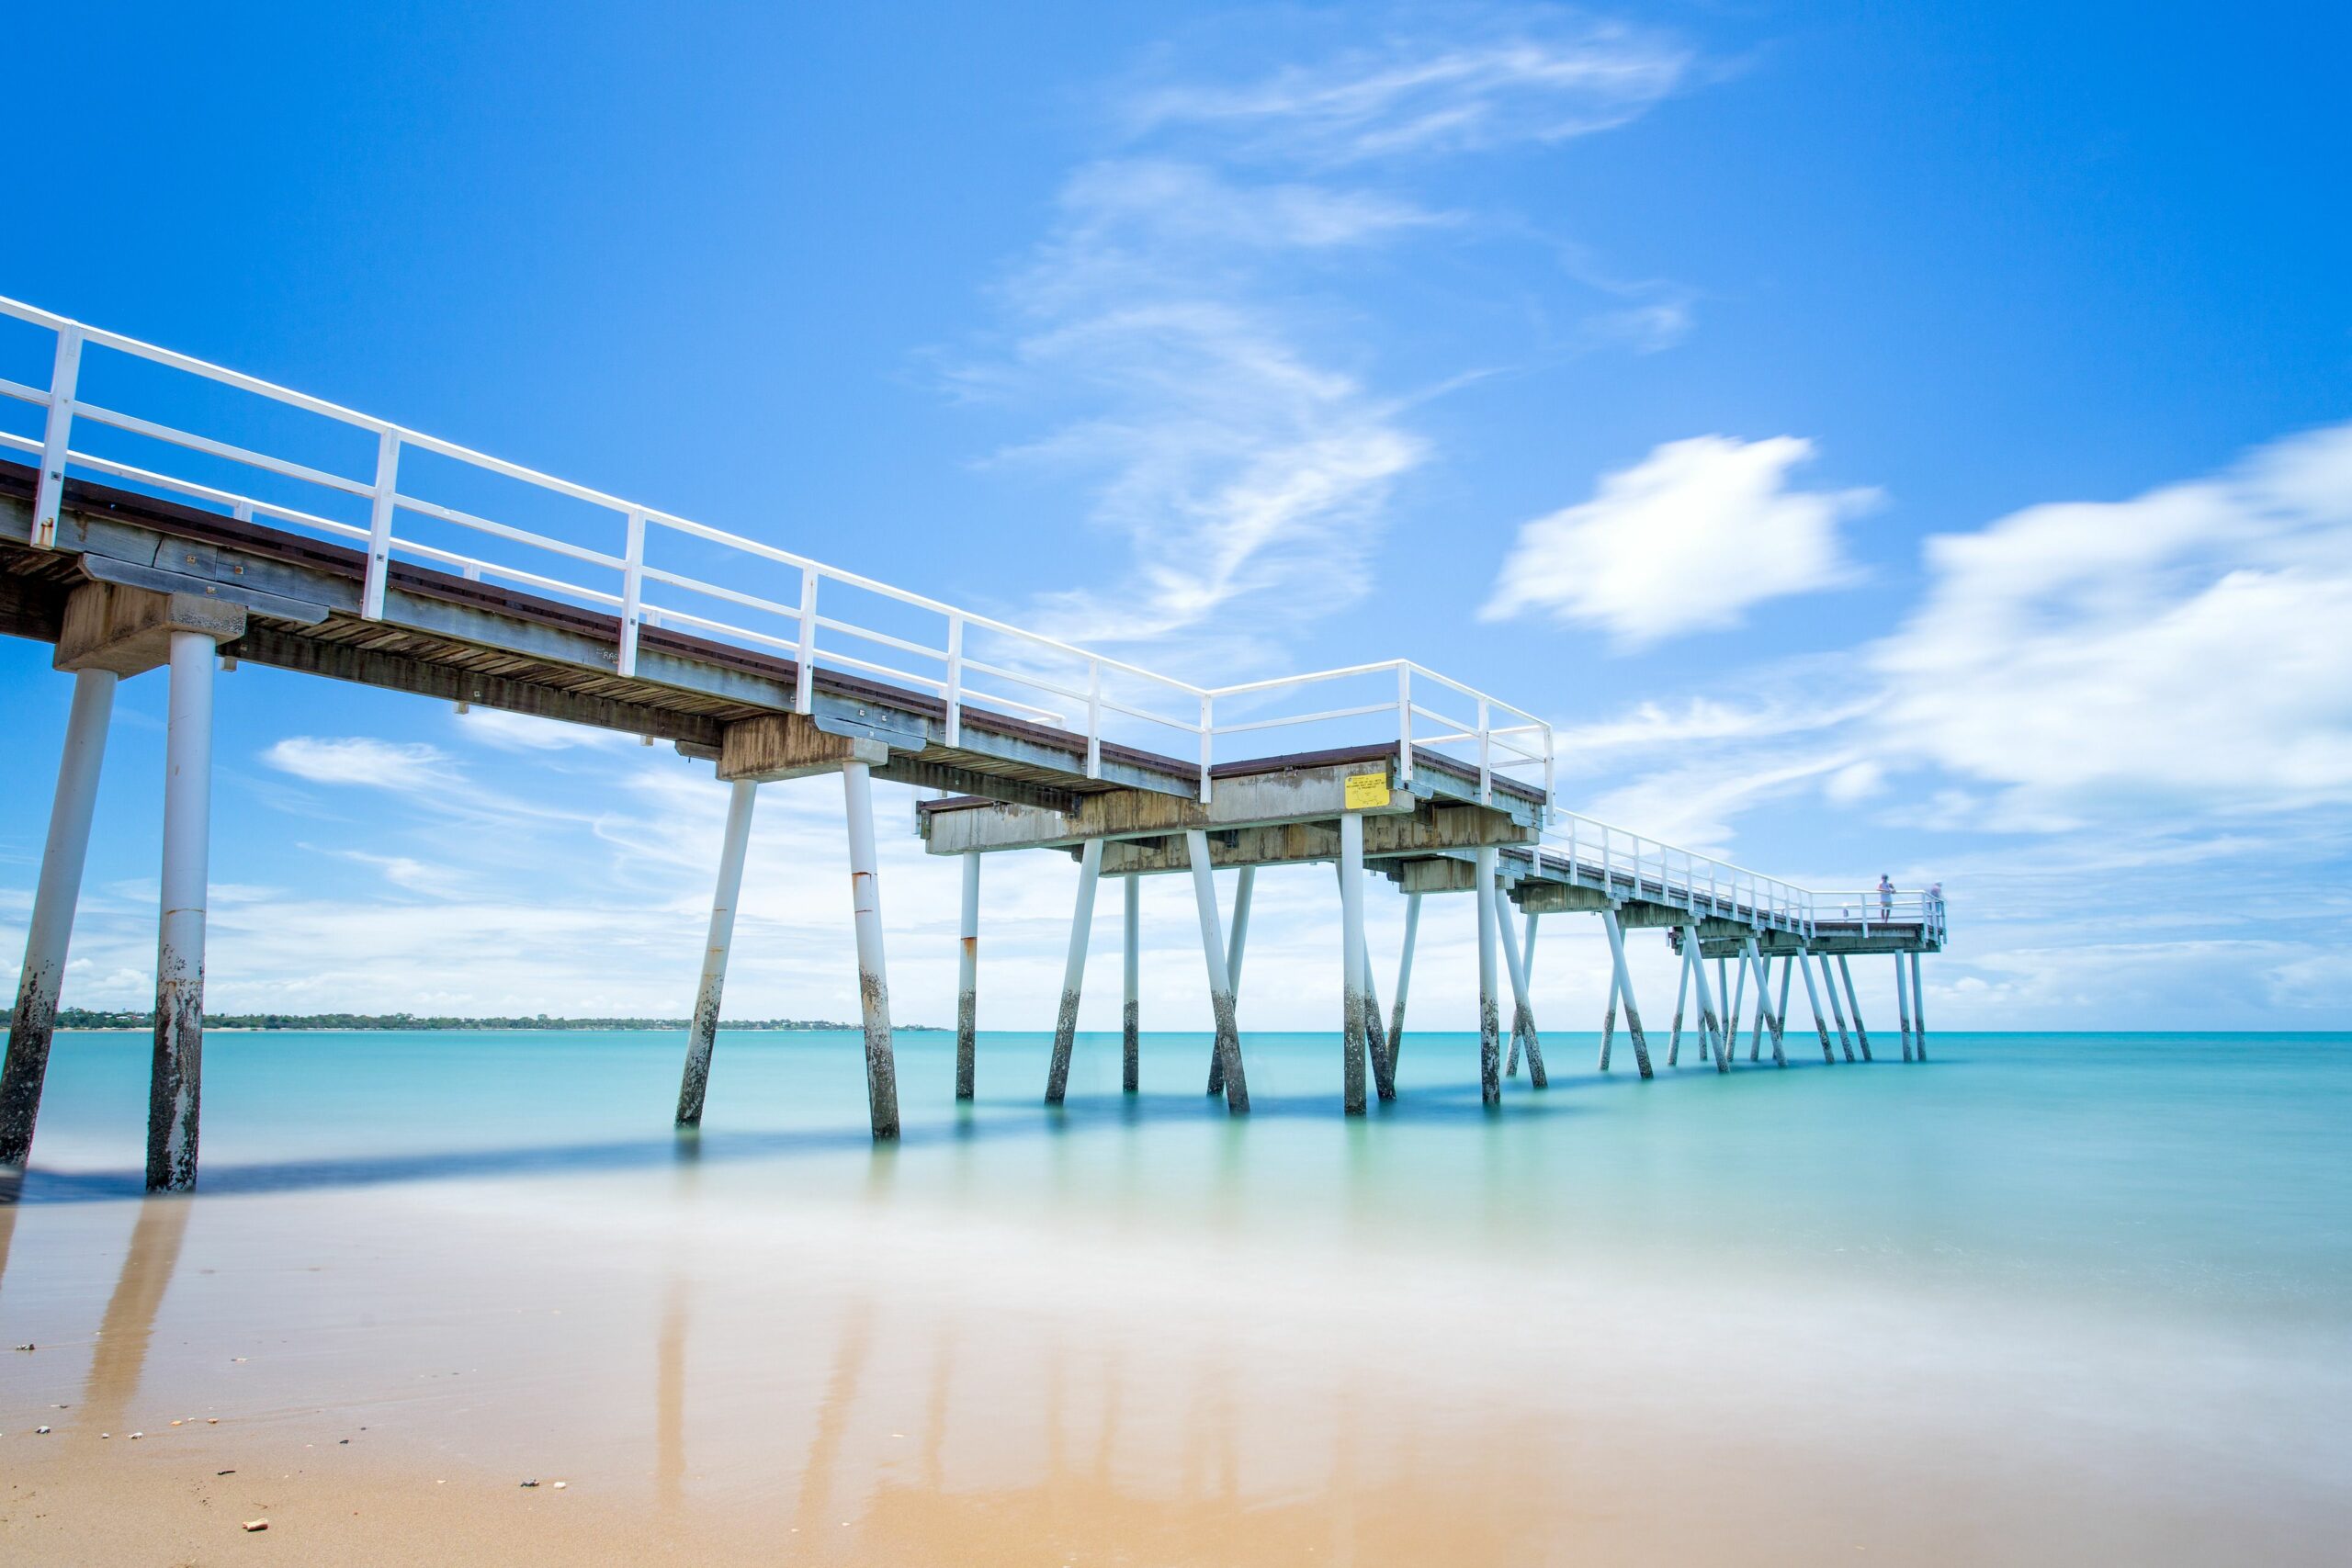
(1907,439)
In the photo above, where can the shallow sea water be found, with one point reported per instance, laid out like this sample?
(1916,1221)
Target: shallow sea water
(2064,1299)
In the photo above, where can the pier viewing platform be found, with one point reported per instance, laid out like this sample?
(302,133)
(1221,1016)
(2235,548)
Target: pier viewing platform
(160,512)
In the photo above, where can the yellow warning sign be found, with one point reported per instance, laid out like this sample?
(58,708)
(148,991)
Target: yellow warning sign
(1365,791)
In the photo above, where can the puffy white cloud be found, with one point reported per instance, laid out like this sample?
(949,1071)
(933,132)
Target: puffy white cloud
(1684,540)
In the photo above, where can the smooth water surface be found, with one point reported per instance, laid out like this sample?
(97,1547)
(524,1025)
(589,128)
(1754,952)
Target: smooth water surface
(2047,1296)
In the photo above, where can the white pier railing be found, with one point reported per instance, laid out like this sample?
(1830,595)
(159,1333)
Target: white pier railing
(297,460)
(182,426)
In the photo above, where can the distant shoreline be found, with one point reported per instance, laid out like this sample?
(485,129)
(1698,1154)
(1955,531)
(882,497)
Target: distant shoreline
(91,1020)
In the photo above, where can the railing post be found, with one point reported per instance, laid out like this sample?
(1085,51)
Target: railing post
(1404,724)
(1551,810)
(805,656)
(955,680)
(632,589)
(49,495)
(379,523)
(1094,718)
(1486,758)
(1208,734)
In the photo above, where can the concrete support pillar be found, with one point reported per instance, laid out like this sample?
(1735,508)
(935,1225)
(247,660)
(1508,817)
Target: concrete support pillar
(176,1087)
(1082,925)
(54,898)
(1812,998)
(1522,1023)
(1236,943)
(1490,1055)
(1837,1007)
(1918,1011)
(1854,1005)
(1131,1003)
(968,982)
(703,1032)
(1903,1003)
(1228,1035)
(1352,962)
(1712,1035)
(1404,979)
(1625,987)
(872,980)
(1682,996)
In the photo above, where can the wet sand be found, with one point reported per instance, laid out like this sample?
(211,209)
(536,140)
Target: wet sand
(869,1383)
(1756,1322)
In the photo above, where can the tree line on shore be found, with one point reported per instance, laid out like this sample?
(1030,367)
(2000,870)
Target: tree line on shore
(89,1018)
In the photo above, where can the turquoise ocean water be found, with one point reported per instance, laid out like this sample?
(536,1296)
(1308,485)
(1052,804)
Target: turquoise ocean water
(2093,1290)
(2208,1171)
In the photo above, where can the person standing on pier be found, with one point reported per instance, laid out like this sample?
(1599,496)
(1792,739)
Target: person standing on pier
(1885,897)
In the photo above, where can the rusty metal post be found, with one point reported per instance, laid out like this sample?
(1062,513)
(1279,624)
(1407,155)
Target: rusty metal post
(1739,994)
(54,898)
(703,1032)
(1711,1036)
(873,979)
(1404,979)
(1522,1022)
(1854,1005)
(1682,996)
(1780,1011)
(1610,923)
(176,1087)
(1764,1018)
(1903,1004)
(1081,926)
(1375,1035)
(968,981)
(1527,965)
(1918,1011)
(1490,1055)
(1812,998)
(1238,943)
(1228,1035)
(1131,1009)
(1352,963)
(1837,1007)
(1609,1021)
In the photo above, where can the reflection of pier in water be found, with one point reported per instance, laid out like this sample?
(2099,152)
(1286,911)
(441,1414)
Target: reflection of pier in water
(926,1441)
(119,1356)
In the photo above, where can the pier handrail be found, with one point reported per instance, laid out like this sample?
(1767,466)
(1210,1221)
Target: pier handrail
(1037,665)
(1500,737)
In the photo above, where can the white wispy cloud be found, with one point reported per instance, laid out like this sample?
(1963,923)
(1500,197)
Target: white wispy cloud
(1185,324)
(1685,540)
(1525,75)
(412,766)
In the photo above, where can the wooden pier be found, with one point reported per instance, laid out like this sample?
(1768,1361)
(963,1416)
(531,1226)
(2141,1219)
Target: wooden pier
(164,562)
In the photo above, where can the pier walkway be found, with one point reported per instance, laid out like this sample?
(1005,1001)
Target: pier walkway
(173,514)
